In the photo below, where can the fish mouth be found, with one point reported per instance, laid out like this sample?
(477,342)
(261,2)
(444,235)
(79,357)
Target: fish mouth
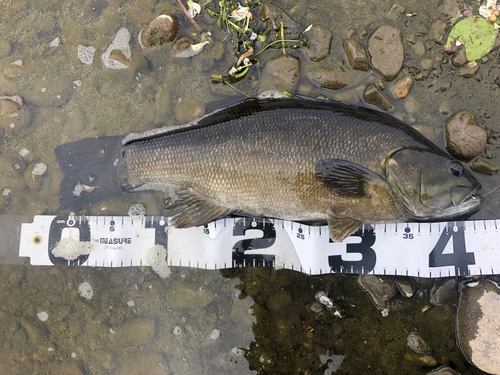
(461,195)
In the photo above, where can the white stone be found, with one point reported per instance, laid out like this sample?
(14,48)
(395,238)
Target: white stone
(156,259)
(24,152)
(14,98)
(137,211)
(43,316)
(120,42)
(6,192)
(215,334)
(17,62)
(177,331)
(130,303)
(70,248)
(85,290)
(39,169)
(85,54)
(55,42)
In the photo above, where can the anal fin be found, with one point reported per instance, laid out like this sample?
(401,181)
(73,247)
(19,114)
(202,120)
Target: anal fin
(192,209)
(341,227)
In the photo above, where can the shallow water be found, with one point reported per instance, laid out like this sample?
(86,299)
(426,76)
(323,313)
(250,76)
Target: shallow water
(138,323)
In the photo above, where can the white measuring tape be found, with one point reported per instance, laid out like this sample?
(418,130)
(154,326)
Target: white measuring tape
(408,249)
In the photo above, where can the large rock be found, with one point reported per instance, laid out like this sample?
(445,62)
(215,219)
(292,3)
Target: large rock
(356,55)
(333,78)
(162,29)
(464,138)
(282,72)
(318,47)
(386,51)
(477,325)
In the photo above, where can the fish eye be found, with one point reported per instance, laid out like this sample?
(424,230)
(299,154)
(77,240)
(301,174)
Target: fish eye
(457,169)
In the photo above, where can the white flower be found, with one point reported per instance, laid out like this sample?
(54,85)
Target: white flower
(240,14)
(194,8)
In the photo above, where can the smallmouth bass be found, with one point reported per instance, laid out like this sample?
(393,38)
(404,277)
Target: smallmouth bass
(293,159)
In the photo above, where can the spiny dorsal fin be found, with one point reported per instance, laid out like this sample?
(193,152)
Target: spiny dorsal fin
(341,227)
(347,179)
(191,209)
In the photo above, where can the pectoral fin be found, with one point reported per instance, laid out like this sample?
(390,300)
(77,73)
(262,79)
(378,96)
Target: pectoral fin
(341,227)
(347,179)
(191,209)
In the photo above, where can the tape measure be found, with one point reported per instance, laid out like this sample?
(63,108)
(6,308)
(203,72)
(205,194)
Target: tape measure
(408,249)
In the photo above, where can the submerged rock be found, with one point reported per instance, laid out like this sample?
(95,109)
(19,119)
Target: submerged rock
(14,115)
(162,29)
(443,291)
(459,58)
(118,55)
(333,78)
(396,11)
(477,325)
(405,287)
(443,370)
(282,72)
(380,290)
(356,55)
(464,138)
(15,68)
(417,344)
(373,95)
(483,166)
(402,86)
(318,46)
(386,51)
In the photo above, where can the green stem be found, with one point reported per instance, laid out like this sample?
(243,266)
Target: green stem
(283,38)
(276,41)
(234,88)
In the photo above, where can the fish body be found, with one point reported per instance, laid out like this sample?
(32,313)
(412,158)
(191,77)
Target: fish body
(294,159)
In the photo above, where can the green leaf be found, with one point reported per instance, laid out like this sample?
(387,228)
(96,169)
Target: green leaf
(476,34)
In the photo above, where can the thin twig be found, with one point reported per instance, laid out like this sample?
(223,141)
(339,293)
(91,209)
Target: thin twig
(282,37)
(243,56)
(187,15)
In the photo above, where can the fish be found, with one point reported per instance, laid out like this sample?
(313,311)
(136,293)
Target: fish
(294,159)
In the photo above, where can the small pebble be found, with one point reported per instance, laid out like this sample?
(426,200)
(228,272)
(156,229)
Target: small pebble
(54,43)
(85,290)
(402,86)
(177,331)
(39,169)
(85,54)
(215,334)
(42,316)
(137,211)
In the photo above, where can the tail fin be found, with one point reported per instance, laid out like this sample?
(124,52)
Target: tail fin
(91,171)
